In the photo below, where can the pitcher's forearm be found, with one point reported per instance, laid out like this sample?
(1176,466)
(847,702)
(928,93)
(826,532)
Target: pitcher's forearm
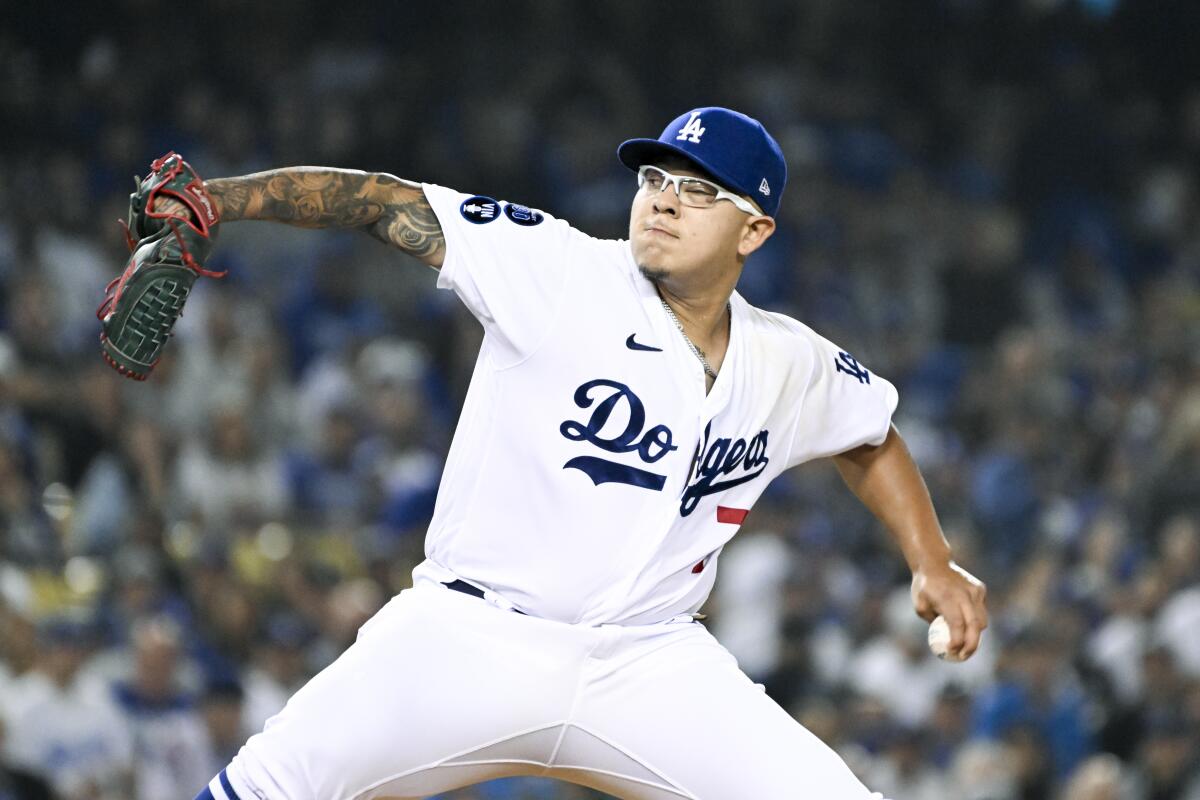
(887,481)
(311,197)
(392,210)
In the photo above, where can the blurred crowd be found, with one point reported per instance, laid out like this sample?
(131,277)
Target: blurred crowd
(989,203)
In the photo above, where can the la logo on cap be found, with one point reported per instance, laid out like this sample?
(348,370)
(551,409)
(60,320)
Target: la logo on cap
(765,187)
(691,132)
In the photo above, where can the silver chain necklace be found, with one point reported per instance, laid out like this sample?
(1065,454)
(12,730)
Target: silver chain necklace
(708,370)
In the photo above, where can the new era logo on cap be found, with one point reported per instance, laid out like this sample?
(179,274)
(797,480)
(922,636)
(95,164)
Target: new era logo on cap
(734,149)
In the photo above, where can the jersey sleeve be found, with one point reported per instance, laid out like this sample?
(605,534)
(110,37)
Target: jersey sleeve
(844,406)
(507,263)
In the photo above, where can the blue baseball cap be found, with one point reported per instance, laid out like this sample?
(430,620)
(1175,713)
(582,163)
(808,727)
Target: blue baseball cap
(732,147)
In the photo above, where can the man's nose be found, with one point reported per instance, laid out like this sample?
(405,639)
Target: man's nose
(667,202)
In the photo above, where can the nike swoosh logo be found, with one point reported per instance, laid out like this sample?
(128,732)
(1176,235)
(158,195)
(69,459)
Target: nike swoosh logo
(632,345)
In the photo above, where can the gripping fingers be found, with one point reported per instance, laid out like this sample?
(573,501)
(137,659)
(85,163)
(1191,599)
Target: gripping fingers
(970,632)
(959,597)
(977,618)
(956,621)
(974,620)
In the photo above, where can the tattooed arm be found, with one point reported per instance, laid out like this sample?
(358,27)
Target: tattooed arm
(392,210)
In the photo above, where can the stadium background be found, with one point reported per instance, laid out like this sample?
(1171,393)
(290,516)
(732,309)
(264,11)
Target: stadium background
(994,204)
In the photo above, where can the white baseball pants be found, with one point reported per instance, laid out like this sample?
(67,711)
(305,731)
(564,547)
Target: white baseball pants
(444,690)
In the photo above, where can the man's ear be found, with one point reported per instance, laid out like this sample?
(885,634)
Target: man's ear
(756,231)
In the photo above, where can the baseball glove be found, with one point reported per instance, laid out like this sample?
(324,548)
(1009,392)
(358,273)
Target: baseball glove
(169,243)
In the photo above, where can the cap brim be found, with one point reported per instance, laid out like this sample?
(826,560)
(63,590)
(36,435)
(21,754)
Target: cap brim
(636,152)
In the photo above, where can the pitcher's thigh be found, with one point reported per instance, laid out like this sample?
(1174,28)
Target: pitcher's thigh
(687,713)
(434,676)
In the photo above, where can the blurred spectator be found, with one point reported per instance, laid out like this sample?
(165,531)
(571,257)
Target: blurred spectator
(981,296)
(1037,705)
(280,667)
(949,726)
(331,314)
(67,726)
(172,752)
(225,611)
(29,537)
(1162,685)
(221,707)
(71,257)
(902,770)
(139,589)
(398,455)
(899,657)
(750,597)
(230,353)
(30,314)
(329,484)
(229,473)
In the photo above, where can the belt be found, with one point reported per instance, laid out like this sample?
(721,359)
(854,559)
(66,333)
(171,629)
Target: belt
(466,588)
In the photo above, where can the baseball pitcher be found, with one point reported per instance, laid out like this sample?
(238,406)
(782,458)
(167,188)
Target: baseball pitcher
(627,409)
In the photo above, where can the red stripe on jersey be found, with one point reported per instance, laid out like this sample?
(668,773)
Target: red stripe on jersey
(734,516)
(699,566)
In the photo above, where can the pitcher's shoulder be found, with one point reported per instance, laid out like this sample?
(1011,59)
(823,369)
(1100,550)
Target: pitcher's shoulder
(778,327)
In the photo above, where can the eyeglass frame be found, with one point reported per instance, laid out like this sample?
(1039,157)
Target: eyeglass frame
(739,202)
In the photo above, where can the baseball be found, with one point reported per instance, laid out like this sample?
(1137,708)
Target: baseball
(939,639)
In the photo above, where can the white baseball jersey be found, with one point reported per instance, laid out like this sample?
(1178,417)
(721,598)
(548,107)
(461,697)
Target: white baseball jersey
(591,479)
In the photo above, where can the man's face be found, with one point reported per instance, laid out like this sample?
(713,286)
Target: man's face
(670,239)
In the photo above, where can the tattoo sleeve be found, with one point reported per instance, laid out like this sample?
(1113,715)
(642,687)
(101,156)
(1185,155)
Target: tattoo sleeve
(392,210)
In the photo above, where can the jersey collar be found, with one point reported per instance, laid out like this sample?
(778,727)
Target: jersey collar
(684,363)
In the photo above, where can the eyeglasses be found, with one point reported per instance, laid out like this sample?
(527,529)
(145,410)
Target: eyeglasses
(692,192)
